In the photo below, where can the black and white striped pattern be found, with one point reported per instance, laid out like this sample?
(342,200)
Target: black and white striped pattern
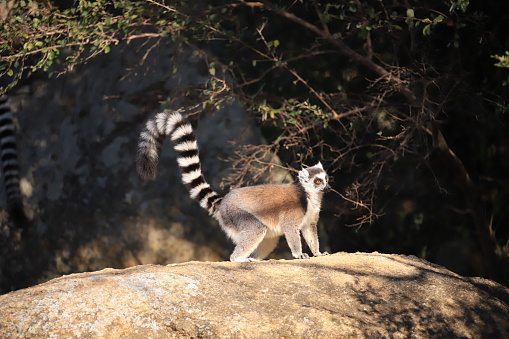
(184,142)
(9,159)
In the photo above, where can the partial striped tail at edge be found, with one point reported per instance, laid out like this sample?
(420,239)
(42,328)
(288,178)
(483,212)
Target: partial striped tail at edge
(184,141)
(10,166)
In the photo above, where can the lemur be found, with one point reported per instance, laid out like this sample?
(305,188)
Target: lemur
(10,167)
(253,217)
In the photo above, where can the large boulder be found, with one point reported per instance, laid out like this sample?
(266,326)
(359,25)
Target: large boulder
(342,295)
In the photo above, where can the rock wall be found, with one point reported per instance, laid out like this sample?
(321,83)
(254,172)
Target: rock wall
(77,143)
(339,296)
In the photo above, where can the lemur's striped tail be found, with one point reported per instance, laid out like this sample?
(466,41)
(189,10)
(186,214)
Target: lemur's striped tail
(184,142)
(10,167)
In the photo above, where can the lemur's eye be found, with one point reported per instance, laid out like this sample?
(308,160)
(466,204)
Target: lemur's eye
(318,181)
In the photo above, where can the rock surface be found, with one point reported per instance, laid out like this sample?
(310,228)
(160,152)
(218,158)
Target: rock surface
(342,295)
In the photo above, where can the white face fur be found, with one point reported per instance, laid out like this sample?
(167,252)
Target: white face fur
(314,178)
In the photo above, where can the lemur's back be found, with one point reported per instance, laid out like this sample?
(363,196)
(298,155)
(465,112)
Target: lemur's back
(269,203)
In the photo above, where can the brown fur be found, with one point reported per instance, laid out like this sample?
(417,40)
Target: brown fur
(271,204)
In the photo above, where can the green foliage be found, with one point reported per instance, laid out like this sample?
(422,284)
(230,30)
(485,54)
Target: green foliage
(503,60)
(41,33)
(52,37)
(294,111)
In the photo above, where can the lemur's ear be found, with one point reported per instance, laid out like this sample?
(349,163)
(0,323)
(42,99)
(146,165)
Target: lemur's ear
(304,175)
(319,165)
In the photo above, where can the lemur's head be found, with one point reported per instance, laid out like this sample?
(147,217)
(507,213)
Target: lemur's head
(314,178)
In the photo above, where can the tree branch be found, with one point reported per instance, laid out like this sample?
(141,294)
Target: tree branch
(349,52)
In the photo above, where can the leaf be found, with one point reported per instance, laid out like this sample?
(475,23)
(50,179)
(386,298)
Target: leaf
(426,30)
(410,13)
(212,68)
(439,18)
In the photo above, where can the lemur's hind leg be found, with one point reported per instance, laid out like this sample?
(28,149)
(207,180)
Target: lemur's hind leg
(246,231)
(247,244)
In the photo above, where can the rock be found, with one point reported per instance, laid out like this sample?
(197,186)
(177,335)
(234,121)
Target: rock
(342,295)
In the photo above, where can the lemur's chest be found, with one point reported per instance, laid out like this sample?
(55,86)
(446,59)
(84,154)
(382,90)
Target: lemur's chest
(314,202)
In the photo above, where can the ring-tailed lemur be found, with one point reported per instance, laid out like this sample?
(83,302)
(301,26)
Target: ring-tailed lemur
(253,217)
(10,167)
